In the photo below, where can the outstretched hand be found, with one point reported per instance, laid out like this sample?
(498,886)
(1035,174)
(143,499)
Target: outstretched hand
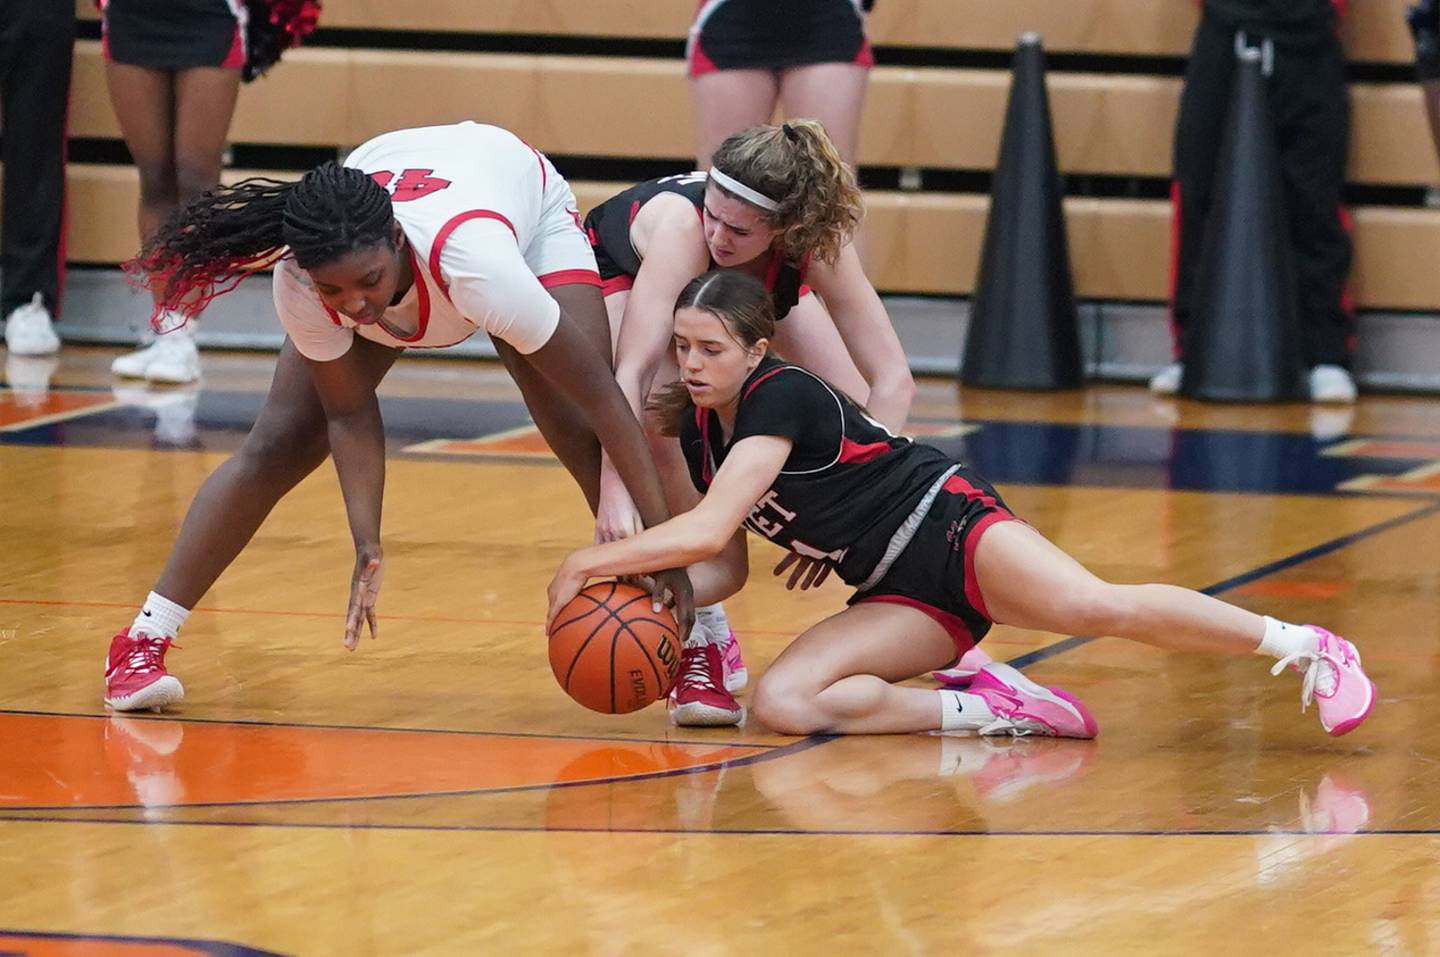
(808,573)
(364,592)
(672,587)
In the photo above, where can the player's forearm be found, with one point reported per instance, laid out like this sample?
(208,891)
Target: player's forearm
(680,542)
(357,443)
(620,435)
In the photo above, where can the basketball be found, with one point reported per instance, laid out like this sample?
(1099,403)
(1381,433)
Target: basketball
(611,652)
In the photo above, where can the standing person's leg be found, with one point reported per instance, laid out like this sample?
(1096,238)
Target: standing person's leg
(204,104)
(286,443)
(38,38)
(1204,103)
(834,94)
(728,101)
(1027,582)
(1314,118)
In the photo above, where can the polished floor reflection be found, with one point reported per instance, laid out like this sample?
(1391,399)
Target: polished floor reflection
(435,792)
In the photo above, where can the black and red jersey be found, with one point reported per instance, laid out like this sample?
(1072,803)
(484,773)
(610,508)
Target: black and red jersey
(848,482)
(608,226)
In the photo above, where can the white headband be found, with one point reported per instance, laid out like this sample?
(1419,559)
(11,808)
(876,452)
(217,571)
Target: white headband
(744,192)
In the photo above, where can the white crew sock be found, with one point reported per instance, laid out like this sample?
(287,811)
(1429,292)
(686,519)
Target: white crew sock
(159,616)
(963,711)
(714,618)
(1283,639)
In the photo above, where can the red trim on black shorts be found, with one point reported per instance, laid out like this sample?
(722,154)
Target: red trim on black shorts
(620,283)
(972,539)
(954,625)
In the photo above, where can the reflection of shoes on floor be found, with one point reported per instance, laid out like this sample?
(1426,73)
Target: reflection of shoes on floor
(1167,380)
(29,377)
(695,796)
(1167,410)
(147,749)
(965,669)
(1337,807)
(1331,422)
(174,410)
(1022,707)
(1001,770)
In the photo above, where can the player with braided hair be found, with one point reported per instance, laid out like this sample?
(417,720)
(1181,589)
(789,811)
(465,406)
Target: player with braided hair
(421,239)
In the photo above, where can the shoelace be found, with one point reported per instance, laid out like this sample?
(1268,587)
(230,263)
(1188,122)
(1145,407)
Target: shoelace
(697,672)
(1312,672)
(145,656)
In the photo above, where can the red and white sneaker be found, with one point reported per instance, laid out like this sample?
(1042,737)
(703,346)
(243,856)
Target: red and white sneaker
(135,675)
(1023,707)
(699,698)
(1343,693)
(965,669)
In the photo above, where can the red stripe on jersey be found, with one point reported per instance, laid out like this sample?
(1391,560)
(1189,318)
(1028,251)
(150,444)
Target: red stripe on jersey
(751,387)
(855,453)
(443,236)
(544,176)
(422,294)
(566,277)
(334,316)
(866,57)
(954,625)
(703,421)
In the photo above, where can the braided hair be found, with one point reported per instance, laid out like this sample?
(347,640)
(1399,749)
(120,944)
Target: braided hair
(217,239)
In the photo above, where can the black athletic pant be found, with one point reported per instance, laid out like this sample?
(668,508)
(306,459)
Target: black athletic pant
(1311,111)
(37,38)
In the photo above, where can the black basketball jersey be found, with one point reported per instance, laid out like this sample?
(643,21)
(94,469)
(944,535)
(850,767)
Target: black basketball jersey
(848,482)
(608,226)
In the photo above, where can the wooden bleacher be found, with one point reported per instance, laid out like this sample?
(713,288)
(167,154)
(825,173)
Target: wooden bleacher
(929,117)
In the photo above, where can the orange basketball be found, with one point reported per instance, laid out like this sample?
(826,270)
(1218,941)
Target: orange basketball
(611,652)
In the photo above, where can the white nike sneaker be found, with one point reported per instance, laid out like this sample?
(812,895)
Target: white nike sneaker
(1167,380)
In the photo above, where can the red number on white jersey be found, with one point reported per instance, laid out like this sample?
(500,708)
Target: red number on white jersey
(412,184)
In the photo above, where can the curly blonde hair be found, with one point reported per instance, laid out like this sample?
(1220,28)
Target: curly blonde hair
(796,165)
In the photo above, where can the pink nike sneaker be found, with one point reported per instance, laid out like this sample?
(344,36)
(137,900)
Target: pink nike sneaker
(1334,680)
(965,669)
(135,675)
(736,674)
(1023,707)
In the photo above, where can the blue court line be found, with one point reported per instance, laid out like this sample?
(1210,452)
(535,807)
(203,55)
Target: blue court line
(1245,578)
(743,832)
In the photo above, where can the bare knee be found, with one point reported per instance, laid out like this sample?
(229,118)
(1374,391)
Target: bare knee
(289,452)
(785,707)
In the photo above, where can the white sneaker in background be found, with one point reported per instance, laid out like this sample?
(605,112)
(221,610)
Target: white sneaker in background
(1167,380)
(1331,384)
(29,331)
(29,377)
(176,359)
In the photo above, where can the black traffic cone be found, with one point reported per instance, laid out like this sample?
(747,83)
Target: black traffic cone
(1242,339)
(1024,330)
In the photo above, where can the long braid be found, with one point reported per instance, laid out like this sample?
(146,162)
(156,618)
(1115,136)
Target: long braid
(214,241)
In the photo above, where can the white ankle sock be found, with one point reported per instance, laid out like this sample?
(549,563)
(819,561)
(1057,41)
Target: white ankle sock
(714,618)
(963,711)
(700,636)
(159,616)
(1283,639)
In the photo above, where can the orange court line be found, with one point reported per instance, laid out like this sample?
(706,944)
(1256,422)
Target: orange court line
(17,414)
(49,761)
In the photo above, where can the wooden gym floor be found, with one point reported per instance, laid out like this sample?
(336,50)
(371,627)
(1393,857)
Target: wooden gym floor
(436,793)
